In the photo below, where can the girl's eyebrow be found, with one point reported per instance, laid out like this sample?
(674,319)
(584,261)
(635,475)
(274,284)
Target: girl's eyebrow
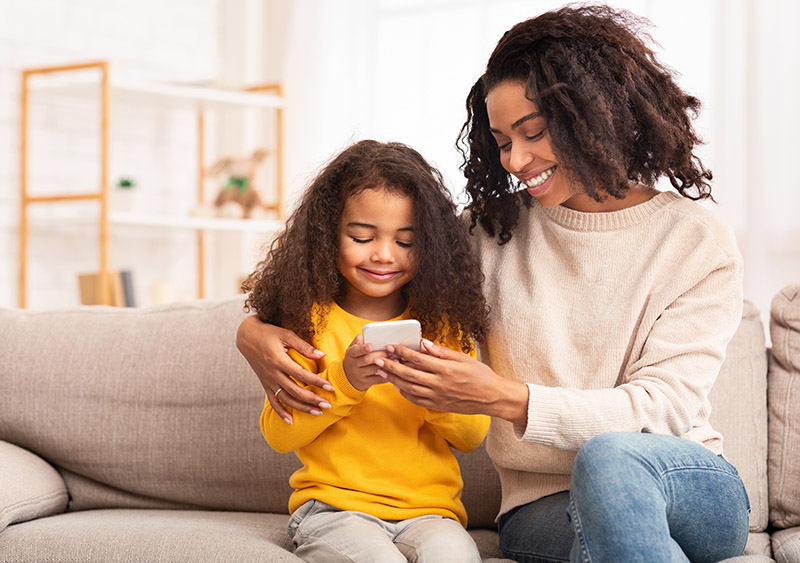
(371,226)
(519,121)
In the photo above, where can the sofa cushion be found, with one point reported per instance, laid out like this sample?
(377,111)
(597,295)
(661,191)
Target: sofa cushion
(739,410)
(786,545)
(29,486)
(784,414)
(149,407)
(481,495)
(106,536)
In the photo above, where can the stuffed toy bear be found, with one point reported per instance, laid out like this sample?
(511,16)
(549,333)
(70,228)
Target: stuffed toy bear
(238,197)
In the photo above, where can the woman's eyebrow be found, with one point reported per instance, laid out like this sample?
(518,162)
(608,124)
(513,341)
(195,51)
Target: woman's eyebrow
(519,121)
(371,226)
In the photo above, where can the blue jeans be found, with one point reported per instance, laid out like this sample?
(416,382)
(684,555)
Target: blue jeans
(635,497)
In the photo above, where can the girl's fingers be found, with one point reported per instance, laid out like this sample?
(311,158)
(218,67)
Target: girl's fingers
(357,348)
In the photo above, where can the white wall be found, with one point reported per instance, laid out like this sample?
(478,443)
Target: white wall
(174,40)
(401,69)
(388,69)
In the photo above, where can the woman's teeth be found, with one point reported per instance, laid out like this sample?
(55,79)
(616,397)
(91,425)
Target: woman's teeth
(540,179)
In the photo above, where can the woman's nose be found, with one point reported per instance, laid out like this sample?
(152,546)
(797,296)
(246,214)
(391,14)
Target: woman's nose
(520,158)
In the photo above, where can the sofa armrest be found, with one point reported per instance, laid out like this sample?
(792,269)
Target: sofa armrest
(30,487)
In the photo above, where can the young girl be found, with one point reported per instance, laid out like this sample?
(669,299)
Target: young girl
(375,238)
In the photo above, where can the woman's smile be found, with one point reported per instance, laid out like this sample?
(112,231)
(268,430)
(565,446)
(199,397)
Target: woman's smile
(538,183)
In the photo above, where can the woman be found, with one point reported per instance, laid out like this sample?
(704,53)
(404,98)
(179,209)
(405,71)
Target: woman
(611,302)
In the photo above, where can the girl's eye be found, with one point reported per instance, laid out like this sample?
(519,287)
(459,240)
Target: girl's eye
(361,240)
(405,244)
(505,147)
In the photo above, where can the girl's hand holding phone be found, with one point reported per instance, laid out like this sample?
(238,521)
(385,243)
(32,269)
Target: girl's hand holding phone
(359,364)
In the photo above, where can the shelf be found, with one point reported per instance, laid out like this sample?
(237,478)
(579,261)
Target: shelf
(266,226)
(189,95)
(94,81)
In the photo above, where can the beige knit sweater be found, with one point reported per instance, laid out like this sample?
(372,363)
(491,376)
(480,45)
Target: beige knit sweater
(616,321)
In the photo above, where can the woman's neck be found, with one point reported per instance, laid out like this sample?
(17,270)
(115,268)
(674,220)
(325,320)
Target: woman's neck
(635,195)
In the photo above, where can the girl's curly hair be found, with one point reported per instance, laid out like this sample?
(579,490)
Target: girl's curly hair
(299,273)
(615,115)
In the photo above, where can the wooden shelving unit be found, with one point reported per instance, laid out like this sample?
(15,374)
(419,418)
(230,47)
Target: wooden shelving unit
(72,80)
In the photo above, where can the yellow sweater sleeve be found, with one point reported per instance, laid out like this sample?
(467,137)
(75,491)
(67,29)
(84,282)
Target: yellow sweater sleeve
(464,432)
(283,437)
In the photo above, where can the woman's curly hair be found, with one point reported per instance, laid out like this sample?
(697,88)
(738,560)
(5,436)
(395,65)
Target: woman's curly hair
(300,274)
(615,115)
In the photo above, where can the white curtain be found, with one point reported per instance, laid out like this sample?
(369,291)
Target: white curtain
(401,69)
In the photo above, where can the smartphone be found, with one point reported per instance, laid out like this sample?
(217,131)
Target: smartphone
(406,333)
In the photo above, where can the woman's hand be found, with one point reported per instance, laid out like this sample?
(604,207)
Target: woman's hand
(265,347)
(359,364)
(451,381)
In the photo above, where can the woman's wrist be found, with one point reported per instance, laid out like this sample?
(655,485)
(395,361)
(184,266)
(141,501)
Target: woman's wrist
(511,403)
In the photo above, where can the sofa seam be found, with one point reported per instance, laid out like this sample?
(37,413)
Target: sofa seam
(28,502)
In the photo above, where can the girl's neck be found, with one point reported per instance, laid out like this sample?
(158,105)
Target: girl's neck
(374,308)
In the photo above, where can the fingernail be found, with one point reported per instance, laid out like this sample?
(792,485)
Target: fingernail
(288,420)
(324,405)
(328,387)
(427,342)
(379,362)
(316,412)
(381,373)
(319,353)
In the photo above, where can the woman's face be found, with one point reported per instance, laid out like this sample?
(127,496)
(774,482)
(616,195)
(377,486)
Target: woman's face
(524,143)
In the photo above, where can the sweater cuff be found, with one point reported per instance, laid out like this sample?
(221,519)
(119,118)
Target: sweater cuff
(543,416)
(338,378)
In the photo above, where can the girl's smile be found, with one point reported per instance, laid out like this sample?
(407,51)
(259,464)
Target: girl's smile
(379,276)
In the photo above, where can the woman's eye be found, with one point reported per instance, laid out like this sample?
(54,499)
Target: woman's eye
(537,136)
(504,147)
(361,240)
(402,244)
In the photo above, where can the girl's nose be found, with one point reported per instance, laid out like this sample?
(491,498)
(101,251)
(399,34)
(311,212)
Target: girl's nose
(383,253)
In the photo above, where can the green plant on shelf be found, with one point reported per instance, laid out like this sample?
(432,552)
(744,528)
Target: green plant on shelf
(126,183)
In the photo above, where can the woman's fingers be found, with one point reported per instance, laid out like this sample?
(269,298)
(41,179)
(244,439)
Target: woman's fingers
(433,359)
(265,347)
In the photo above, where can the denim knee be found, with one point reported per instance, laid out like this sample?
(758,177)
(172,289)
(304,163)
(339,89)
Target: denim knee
(604,452)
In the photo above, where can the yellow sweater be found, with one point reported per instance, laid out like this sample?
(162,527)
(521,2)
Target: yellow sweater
(373,451)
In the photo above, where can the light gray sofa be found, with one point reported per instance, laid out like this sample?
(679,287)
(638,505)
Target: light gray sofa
(132,435)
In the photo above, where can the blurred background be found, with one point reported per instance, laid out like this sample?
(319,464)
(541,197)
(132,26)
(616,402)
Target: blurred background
(348,69)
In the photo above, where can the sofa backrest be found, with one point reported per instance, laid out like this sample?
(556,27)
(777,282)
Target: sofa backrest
(784,409)
(155,408)
(739,410)
(146,407)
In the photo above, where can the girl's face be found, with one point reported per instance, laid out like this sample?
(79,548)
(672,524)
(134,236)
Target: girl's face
(376,234)
(524,143)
